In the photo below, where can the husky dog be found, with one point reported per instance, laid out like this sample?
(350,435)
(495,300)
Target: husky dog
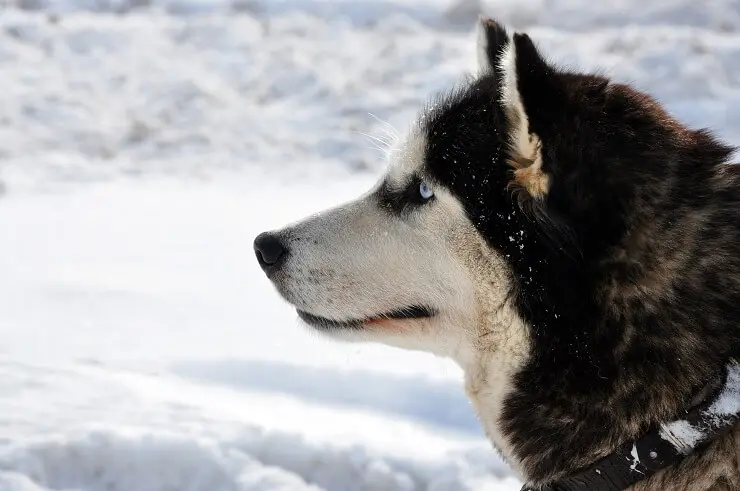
(573,247)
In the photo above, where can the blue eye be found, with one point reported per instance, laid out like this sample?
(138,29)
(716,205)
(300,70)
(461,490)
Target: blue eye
(425,191)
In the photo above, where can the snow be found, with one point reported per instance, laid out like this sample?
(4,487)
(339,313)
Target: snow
(145,143)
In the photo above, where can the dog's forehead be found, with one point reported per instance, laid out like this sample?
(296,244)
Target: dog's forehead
(456,134)
(407,159)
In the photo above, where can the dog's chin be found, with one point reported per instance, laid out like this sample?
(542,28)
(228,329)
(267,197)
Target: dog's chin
(325,324)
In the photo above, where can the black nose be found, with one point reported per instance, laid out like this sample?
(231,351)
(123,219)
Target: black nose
(269,249)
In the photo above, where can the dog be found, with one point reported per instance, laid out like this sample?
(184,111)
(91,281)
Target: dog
(567,242)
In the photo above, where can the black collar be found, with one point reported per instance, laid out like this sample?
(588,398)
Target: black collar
(662,446)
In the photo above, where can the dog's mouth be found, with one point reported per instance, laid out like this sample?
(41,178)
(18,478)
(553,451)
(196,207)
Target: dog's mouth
(405,313)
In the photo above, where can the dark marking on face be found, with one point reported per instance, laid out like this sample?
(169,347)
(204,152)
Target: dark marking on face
(400,200)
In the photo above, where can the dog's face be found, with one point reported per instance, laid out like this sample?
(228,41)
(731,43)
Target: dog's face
(404,264)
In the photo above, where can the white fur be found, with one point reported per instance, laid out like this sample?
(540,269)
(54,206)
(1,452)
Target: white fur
(407,159)
(519,137)
(509,91)
(521,141)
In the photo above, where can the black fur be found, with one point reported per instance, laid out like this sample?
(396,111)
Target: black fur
(628,272)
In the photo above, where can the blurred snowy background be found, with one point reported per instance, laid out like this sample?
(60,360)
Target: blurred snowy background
(144,143)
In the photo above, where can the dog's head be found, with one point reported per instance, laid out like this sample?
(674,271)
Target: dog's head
(403,264)
(432,257)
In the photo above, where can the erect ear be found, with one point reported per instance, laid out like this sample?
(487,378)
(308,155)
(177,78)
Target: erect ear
(531,96)
(492,39)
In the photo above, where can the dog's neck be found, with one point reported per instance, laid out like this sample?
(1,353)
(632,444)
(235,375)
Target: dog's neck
(489,369)
(488,382)
(490,377)
(657,460)
(487,390)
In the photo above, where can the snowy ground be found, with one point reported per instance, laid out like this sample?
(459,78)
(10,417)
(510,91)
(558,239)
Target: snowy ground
(141,349)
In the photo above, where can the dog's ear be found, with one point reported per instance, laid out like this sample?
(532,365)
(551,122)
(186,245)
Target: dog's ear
(532,97)
(492,39)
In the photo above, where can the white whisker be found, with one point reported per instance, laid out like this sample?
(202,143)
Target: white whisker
(385,143)
(390,129)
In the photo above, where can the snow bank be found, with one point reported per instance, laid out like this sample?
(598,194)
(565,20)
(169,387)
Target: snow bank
(128,458)
(13,481)
(127,461)
(291,88)
(720,15)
